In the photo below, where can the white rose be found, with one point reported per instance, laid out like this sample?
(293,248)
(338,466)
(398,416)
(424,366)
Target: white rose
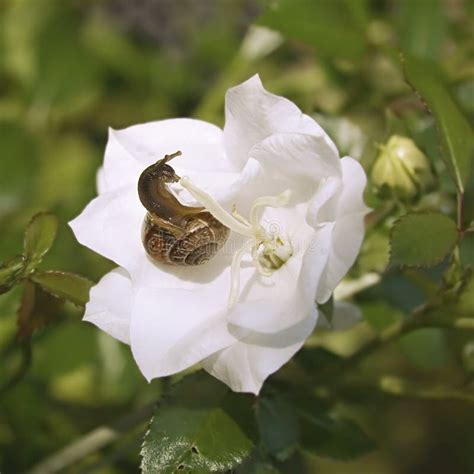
(239,317)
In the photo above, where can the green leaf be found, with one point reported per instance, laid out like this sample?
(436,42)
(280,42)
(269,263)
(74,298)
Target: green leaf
(333,437)
(68,286)
(39,238)
(330,27)
(421,27)
(10,272)
(193,432)
(278,426)
(422,239)
(456,135)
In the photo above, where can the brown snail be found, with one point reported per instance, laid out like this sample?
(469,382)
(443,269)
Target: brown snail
(172,232)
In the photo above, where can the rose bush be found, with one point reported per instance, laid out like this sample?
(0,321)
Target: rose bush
(174,317)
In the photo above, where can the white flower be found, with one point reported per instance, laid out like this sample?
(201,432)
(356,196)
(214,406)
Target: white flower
(241,317)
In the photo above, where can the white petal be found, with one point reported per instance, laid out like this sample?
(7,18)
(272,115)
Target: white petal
(120,167)
(110,304)
(111,226)
(245,365)
(347,236)
(200,142)
(253,114)
(323,206)
(348,230)
(339,195)
(172,329)
(297,158)
(100,182)
(271,304)
(315,263)
(354,181)
(131,150)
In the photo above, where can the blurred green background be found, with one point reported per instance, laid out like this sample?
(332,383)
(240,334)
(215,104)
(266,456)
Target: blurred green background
(69,69)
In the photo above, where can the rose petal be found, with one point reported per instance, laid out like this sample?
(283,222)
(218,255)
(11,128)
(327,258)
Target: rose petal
(315,261)
(201,144)
(323,206)
(110,304)
(354,180)
(172,329)
(111,226)
(120,167)
(347,236)
(245,365)
(337,196)
(297,157)
(253,114)
(131,150)
(100,183)
(349,227)
(269,304)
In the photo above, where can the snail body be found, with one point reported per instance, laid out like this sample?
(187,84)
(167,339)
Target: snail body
(173,233)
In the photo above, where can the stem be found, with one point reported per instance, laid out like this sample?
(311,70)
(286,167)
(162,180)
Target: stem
(91,442)
(460,213)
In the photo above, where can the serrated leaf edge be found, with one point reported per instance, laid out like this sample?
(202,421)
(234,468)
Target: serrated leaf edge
(52,293)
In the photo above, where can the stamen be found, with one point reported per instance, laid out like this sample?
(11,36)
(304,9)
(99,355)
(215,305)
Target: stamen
(235,273)
(239,217)
(215,208)
(280,200)
(268,252)
(258,264)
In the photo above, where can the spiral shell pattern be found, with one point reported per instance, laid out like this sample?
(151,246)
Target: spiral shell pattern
(202,237)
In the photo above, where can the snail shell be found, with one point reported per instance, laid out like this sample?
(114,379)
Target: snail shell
(172,232)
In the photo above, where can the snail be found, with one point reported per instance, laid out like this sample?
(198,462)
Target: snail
(173,233)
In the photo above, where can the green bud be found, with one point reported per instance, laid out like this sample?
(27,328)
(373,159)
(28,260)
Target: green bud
(402,169)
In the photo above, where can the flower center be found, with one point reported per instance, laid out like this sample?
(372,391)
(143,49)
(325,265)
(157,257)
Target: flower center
(269,250)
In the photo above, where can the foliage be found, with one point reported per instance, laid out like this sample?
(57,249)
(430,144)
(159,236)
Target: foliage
(381,396)
(193,431)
